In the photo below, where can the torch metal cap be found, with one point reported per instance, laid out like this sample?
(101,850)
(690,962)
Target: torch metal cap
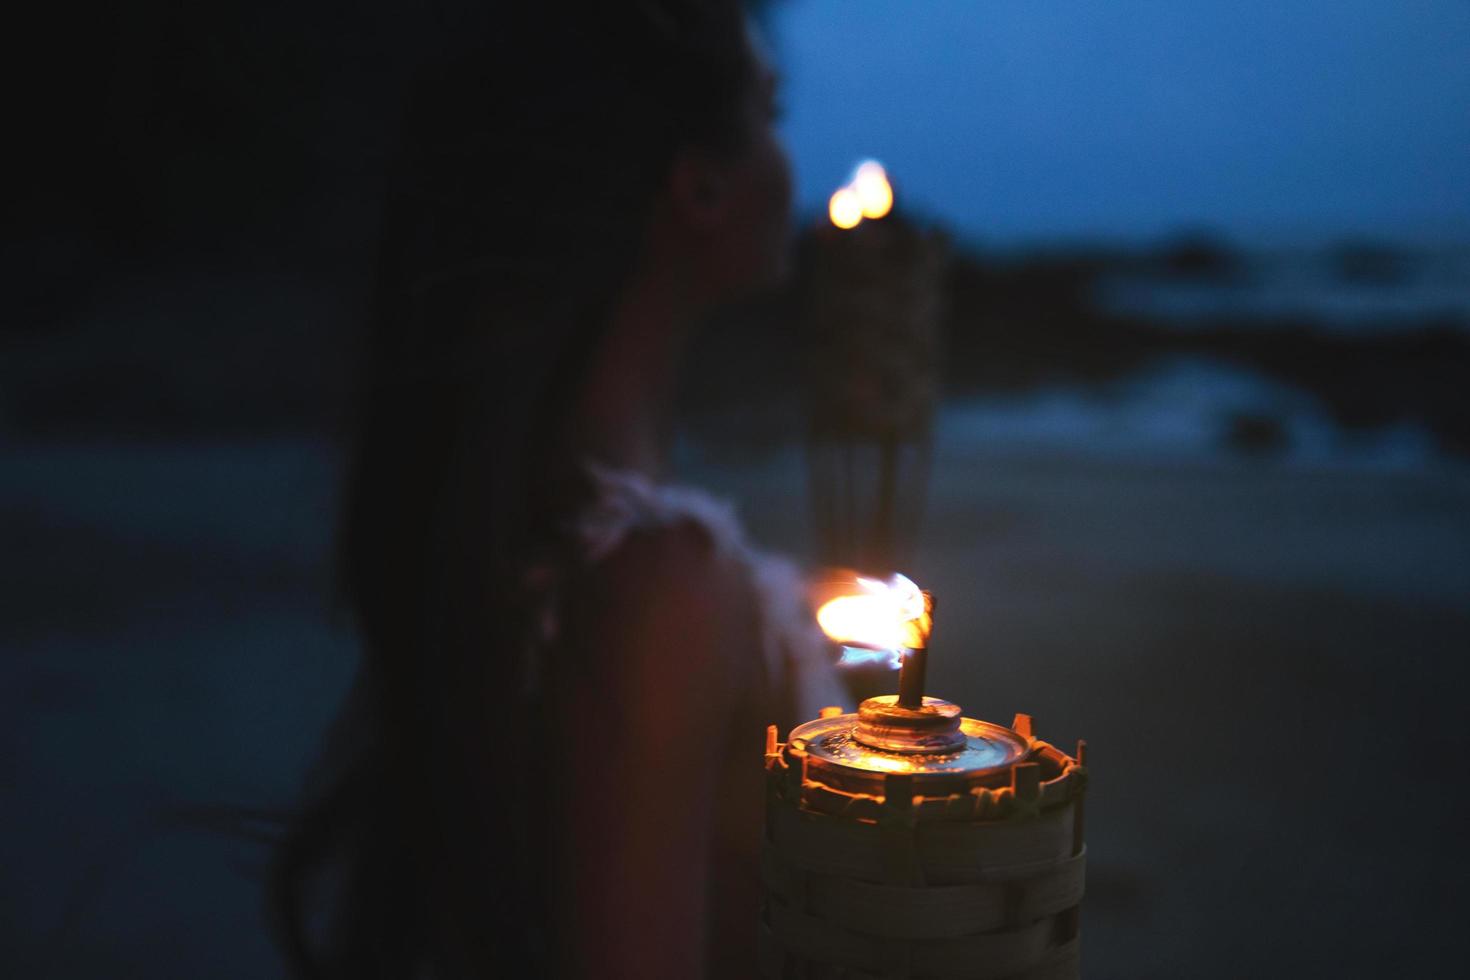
(886,725)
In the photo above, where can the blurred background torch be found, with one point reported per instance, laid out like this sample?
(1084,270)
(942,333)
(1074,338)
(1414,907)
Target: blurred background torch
(872,302)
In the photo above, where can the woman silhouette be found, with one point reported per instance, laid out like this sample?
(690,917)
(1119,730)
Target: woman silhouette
(548,763)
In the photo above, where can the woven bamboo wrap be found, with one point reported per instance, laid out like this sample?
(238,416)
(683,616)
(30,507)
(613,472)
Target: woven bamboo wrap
(900,885)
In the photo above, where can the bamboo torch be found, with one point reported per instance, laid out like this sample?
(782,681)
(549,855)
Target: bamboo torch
(907,840)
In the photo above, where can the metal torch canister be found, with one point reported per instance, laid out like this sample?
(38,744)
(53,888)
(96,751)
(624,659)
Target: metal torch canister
(910,841)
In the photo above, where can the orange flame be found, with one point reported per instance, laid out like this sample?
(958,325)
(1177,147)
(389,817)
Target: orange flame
(883,616)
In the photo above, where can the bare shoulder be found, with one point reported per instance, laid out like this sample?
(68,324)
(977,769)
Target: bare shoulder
(681,553)
(652,679)
(668,601)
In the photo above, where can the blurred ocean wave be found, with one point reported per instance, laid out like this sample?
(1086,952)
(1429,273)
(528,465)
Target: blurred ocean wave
(1350,288)
(1182,409)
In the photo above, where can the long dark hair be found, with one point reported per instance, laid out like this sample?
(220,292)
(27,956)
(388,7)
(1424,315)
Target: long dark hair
(536,139)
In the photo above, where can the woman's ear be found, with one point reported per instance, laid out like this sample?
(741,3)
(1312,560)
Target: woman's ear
(699,190)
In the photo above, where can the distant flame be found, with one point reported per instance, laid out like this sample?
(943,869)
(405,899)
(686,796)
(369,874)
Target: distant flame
(878,623)
(845,208)
(874,192)
(867,195)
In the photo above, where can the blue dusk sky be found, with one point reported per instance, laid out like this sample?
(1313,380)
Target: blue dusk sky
(1272,122)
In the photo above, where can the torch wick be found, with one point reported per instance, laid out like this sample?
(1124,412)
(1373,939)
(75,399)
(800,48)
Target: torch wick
(916,660)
